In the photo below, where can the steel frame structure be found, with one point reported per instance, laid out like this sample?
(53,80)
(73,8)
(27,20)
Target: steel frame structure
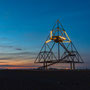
(64,53)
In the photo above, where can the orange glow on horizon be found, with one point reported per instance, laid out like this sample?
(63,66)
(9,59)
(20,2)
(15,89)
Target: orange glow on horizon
(67,68)
(20,67)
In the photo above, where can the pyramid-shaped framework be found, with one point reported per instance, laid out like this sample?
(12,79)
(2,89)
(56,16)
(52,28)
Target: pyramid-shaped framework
(58,48)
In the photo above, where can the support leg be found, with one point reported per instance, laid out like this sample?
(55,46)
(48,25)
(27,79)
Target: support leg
(71,66)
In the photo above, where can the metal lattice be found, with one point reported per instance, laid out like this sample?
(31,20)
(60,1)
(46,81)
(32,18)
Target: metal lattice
(58,48)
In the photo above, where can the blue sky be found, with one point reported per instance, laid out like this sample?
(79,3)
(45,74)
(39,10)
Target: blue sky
(25,24)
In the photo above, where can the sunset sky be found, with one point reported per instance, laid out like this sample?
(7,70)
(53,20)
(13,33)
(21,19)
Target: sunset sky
(25,24)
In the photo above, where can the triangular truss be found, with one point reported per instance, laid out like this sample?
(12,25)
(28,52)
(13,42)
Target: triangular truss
(58,48)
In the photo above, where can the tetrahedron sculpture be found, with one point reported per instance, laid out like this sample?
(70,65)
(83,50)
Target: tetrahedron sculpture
(58,48)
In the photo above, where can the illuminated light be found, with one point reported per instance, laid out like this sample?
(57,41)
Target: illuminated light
(58,38)
(51,35)
(47,41)
(67,36)
(66,41)
(62,37)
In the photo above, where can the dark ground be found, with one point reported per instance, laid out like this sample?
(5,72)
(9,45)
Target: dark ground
(44,80)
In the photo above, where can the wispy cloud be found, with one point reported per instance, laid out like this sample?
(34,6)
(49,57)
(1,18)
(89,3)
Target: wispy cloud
(10,47)
(3,38)
(20,53)
(18,49)
(19,66)
(8,58)
(18,56)
(3,46)
(7,65)
(6,43)
(3,62)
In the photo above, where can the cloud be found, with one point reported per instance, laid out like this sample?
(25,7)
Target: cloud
(4,39)
(18,56)
(18,49)
(20,53)
(26,53)
(3,62)
(19,66)
(7,65)
(2,46)
(8,58)
(6,44)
